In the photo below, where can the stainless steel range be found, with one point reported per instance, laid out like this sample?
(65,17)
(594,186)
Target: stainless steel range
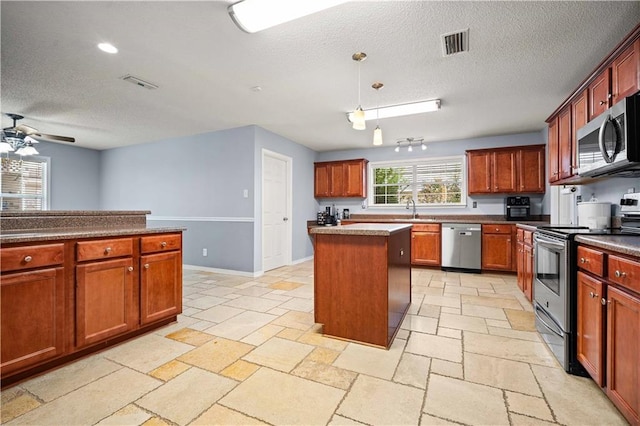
(554,286)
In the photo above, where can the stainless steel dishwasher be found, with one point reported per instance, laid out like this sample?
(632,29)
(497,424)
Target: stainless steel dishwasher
(461,246)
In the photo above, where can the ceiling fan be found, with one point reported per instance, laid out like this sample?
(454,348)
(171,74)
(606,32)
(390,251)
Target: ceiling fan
(20,137)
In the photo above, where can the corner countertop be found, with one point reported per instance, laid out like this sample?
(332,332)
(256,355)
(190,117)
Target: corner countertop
(370,229)
(50,234)
(624,244)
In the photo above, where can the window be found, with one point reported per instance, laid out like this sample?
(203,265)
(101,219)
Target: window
(23,183)
(431,182)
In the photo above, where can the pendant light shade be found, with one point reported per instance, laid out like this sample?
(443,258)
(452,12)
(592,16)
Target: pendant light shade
(5,147)
(27,150)
(358,119)
(377,136)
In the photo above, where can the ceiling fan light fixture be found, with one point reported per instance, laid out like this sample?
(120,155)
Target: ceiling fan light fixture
(108,48)
(252,16)
(28,149)
(5,147)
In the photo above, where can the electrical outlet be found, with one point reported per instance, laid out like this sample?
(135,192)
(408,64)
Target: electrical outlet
(204,252)
(475,204)
(245,193)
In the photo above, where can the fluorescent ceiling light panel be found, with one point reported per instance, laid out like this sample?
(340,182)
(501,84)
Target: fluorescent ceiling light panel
(256,15)
(399,110)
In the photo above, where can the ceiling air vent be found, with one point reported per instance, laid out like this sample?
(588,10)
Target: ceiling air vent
(139,82)
(456,42)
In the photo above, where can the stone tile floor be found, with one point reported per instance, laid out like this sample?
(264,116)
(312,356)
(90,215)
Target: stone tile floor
(246,351)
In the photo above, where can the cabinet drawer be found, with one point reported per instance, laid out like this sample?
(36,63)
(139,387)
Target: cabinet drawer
(17,258)
(591,260)
(158,243)
(496,229)
(528,237)
(423,227)
(104,249)
(624,272)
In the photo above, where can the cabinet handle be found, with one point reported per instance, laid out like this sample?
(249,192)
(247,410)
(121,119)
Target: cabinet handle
(107,250)
(603,301)
(146,266)
(593,295)
(401,252)
(163,244)
(583,260)
(602,102)
(620,274)
(130,268)
(28,259)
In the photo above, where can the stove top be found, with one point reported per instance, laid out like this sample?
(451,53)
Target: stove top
(570,231)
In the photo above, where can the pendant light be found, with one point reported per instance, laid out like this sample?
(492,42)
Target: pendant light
(358,113)
(377,133)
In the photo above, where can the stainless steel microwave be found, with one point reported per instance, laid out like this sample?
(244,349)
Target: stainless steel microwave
(610,143)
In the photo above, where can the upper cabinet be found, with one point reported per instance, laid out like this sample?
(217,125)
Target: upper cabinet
(617,77)
(340,179)
(510,170)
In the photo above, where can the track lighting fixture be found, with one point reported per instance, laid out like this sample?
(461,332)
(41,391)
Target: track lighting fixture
(408,142)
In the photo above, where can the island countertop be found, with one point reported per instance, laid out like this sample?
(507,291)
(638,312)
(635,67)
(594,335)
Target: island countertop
(369,229)
(33,235)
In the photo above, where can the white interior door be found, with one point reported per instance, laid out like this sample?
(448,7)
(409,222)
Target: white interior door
(276,210)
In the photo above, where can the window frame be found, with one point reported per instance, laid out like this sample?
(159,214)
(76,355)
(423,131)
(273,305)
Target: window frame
(413,162)
(46,186)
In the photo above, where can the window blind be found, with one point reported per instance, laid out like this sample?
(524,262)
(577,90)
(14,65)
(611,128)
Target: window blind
(22,184)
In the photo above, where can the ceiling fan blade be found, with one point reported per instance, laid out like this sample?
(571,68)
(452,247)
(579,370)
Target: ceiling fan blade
(53,137)
(27,130)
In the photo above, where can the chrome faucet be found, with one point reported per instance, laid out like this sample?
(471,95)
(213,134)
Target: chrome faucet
(411,200)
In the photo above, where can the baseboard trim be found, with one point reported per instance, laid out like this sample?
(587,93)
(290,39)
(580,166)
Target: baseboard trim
(304,259)
(223,271)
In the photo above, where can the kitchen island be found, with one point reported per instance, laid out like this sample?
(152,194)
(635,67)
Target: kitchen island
(75,282)
(362,280)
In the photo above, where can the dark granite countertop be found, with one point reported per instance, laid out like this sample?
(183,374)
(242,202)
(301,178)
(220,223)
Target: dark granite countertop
(625,244)
(50,234)
(527,226)
(40,213)
(399,218)
(372,229)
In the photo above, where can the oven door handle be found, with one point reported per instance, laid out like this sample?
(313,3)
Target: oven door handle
(548,243)
(549,327)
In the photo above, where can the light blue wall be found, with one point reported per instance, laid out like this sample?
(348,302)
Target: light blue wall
(610,190)
(74,176)
(487,204)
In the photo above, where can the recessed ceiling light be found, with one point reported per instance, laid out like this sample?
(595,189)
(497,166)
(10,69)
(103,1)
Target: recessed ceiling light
(108,47)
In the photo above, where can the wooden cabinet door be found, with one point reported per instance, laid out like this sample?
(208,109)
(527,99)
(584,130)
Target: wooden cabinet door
(496,250)
(599,94)
(504,171)
(321,185)
(355,179)
(520,266)
(32,320)
(528,272)
(554,153)
(623,353)
(425,248)
(565,153)
(479,172)
(625,73)
(105,304)
(160,286)
(531,170)
(336,179)
(579,117)
(591,326)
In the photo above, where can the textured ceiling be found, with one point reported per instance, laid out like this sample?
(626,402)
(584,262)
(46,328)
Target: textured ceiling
(524,59)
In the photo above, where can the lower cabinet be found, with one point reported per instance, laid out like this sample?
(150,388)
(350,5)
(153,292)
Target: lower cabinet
(32,327)
(591,326)
(497,248)
(105,300)
(426,245)
(524,262)
(160,286)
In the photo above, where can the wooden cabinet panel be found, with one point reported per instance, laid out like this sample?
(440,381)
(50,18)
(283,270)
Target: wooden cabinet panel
(520,265)
(321,182)
(564,143)
(339,179)
(504,171)
(32,319)
(479,172)
(591,260)
(625,73)
(599,94)
(159,243)
(425,245)
(497,250)
(591,326)
(160,286)
(579,117)
(528,272)
(554,151)
(624,272)
(530,170)
(104,249)
(105,304)
(19,258)
(524,262)
(623,353)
